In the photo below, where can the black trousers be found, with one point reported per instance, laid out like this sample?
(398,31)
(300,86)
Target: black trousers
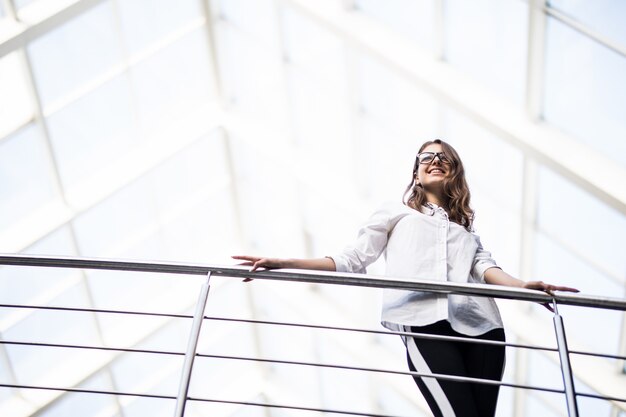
(451,398)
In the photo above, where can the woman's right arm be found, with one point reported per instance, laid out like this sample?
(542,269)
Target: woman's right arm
(256,262)
(370,243)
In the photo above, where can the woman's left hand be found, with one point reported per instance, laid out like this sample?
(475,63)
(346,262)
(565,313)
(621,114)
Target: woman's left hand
(548,288)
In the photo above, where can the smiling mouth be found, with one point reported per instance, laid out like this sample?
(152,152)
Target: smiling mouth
(436,171)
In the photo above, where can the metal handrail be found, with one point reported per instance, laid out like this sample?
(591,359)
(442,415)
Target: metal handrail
(320,277)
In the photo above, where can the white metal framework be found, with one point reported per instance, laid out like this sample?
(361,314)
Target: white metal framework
(289,119)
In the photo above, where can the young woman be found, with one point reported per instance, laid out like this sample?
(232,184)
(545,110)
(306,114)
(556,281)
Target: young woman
(429,236)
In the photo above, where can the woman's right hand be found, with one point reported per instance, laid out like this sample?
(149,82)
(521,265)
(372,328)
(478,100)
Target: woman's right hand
(257,262)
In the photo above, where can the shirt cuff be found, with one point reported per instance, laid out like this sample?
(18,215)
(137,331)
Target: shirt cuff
(340,264)
(479,269)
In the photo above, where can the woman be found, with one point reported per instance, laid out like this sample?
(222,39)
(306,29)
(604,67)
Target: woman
(430,237)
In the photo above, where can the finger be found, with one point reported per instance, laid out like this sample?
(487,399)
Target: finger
(245,264)
(248,279)
(549,307)
(245,258)
(258,264)
(570,289)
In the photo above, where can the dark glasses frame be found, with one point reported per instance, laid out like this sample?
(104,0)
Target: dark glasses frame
(430,156)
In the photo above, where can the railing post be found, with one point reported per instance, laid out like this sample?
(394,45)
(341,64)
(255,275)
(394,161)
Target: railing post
(192,344)
(566,368)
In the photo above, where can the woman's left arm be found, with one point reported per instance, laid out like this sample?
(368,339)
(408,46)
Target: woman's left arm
(499,277)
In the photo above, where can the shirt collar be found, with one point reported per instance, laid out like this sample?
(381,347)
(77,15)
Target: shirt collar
(431,208)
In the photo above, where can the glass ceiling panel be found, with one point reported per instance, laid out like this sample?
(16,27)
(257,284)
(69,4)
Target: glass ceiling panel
(75,53)
(252,77)
(141,407)
(257,19)
(488,40)
(85,405)
(384,160)
(35,365)
(104,227)
(143,372)
(279,230)
(411,18)
(320,118)
(91,133)
(6,394)
(25,186)
(605,17)
(313,47)
(591,406)
(587,225)
(145,22)
(585,90)
(174,83)
(15,101)
(196,170)
(397,103)
(19,4)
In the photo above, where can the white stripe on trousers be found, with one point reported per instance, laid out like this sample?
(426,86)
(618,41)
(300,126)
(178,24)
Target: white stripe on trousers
(419,363)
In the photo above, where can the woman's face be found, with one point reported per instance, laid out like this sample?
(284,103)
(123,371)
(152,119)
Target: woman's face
(433,173)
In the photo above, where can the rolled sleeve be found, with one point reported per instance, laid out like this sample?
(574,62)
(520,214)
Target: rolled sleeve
(346,263)
(369,245)
(482,262)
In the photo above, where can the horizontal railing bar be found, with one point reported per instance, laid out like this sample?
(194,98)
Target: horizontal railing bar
(169,397)
(91,347)
(321,277)
(385,371)
(419,335)
(436,376)
(89,391)
(278,323)
(97,310)
(278,361)
(290,407)
(599,355)
(601,397)
(300,325)
(387,332)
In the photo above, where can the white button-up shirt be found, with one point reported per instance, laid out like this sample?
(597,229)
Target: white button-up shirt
(424,246)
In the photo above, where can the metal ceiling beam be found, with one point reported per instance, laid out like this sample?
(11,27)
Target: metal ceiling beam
(54,15)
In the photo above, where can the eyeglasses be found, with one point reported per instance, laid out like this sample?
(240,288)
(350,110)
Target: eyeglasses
(428,157)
